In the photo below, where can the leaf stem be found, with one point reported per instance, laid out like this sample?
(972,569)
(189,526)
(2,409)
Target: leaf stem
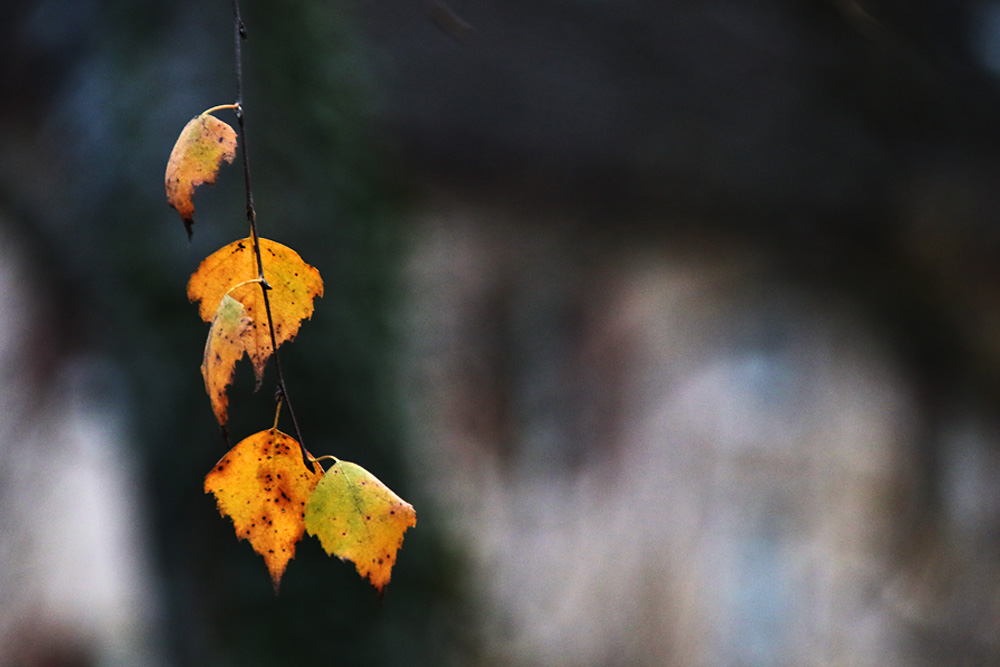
(240,36)
(245,282)
(325,457)
(220,108)
(277,413)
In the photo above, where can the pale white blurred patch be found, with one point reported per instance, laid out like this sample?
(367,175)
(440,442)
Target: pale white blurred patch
(75,576)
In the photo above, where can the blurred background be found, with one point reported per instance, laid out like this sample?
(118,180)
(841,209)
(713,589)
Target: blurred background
(678,323)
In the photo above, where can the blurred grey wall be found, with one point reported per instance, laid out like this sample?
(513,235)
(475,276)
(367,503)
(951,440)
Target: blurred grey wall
(702,323)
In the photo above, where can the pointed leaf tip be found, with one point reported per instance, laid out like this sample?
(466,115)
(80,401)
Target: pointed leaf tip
(195,159)
(358,518)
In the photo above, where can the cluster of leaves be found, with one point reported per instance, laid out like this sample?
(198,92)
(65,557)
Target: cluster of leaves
(255,293)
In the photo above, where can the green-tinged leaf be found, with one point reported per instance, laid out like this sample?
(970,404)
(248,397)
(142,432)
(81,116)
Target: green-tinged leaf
(201,147)
(358,518)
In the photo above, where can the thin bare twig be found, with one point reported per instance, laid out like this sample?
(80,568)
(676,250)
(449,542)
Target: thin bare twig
(240,36)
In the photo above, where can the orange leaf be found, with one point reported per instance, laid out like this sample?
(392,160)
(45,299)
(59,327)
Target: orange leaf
(358,518)
(232,271)
(201,147)
(262,484)
(230,336)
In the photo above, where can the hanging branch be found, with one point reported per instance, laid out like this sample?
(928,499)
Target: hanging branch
(282,391)
(273,492)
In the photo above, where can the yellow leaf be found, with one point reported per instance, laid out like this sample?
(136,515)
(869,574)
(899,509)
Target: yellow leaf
(201,147)
(232,271)
(262,484)
(358,518)
(230,336)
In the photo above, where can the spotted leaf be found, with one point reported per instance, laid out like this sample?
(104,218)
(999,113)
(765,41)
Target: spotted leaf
(358,518)
(262,484)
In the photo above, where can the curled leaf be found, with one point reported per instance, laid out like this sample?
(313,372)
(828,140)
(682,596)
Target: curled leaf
(230,336)
(200,149)
(358,518)
(262,484)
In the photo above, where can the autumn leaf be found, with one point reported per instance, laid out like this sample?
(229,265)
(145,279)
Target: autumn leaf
(232,271)
(200,149)
(358,518)
(262,484)
(230,336)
